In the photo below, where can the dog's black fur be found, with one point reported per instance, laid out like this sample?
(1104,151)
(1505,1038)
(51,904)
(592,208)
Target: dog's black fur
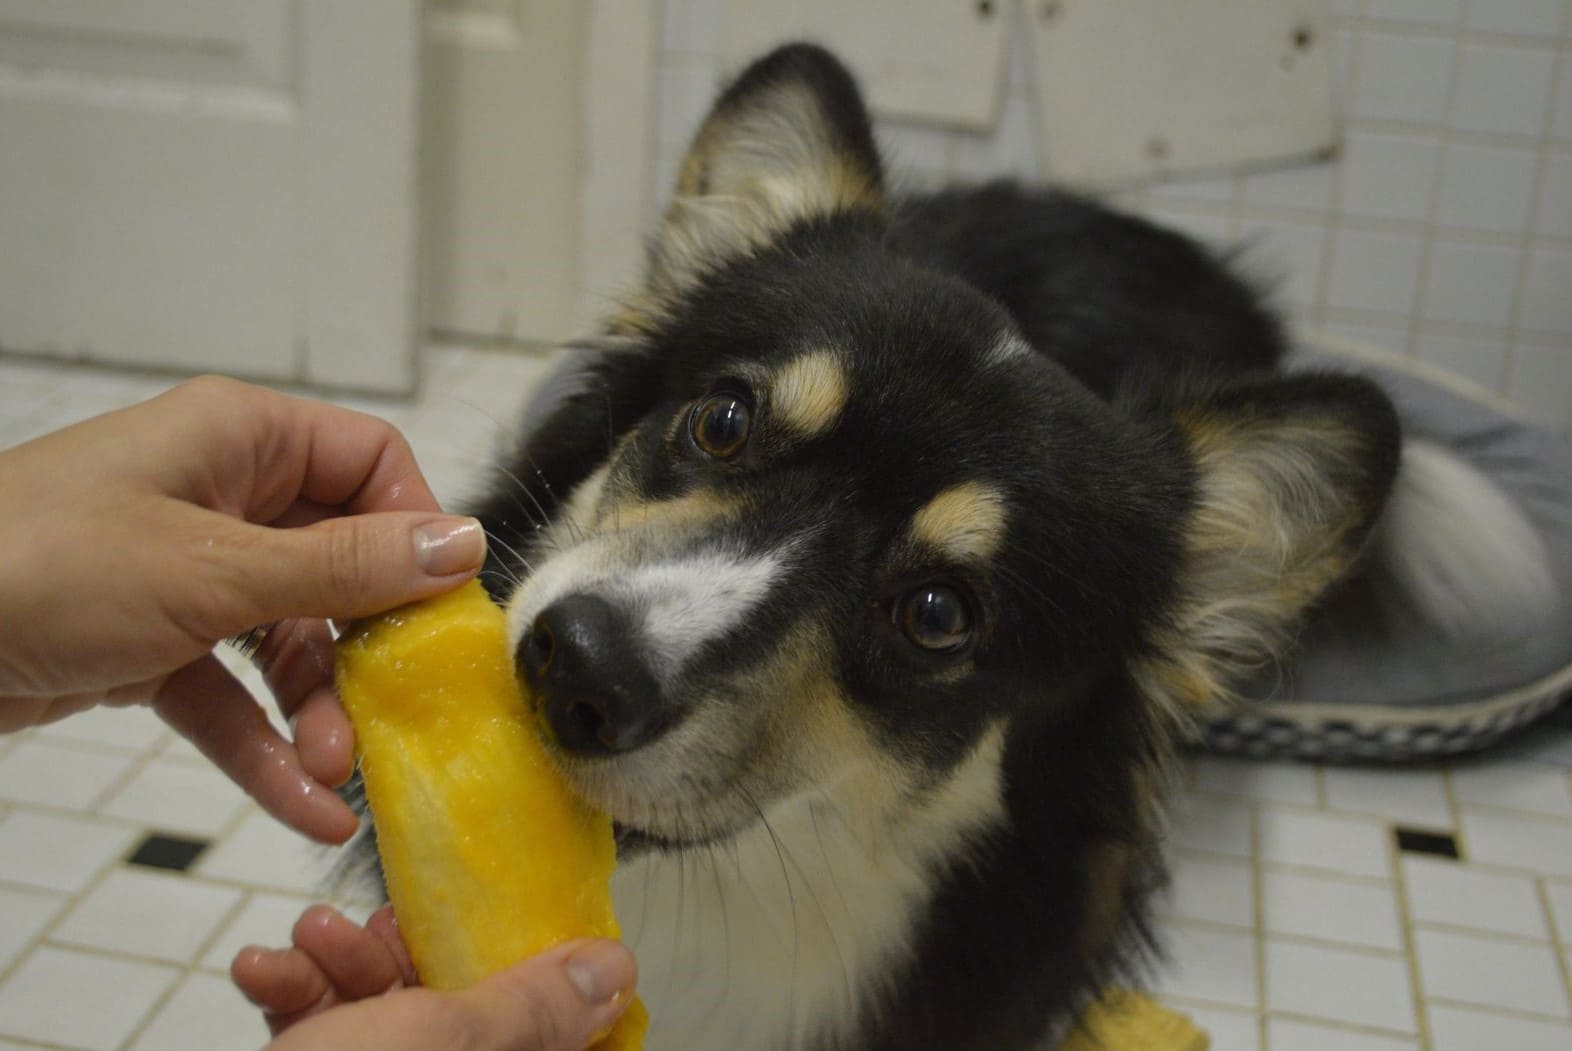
(1171,506)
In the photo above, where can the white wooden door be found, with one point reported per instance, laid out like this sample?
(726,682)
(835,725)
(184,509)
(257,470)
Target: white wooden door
(212,184)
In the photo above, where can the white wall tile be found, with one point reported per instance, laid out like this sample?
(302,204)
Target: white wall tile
(1322,841)
(1287,1034)
(1009,149)
(908,145)
(1547,293)
(1374,271)
(58,853)
(263,853)
(691,27)
(1427,12)
(1210,230)
(1560,897)
(1410,795)
(686,92)
(265,920)
(1330,909)
(1304,186)
(58,775)
(1486,187)
(146,913)
(1453,893)
(1351,986)
(206,1013)
(130,729)
(1286,255)
(1540,382)
(1561,126)
(1470,283)
(23,914)
(1385,336)
(1212,824)
(1502,89)
(1489,972)
(1464,1029)
(79,1000)
(1388,175)
(1499,838)
(1277,781)
(1479,358)
(1216,966)
(1403,77)
(177,796)
(1514,786)
(1211,890)
(1525,17)
(1553,217)
(1228,1030)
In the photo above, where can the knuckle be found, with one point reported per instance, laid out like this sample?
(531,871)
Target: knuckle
(348,559)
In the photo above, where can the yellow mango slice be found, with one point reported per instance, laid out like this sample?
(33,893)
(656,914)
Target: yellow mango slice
(1122,1020)
(489,857)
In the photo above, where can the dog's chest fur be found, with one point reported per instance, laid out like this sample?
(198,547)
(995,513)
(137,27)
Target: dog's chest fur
(779,938)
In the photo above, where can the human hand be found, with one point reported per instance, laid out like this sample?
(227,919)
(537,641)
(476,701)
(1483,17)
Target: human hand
(348,988)
(131,543)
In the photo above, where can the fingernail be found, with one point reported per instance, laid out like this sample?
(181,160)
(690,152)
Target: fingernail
(602,970)
(449,545)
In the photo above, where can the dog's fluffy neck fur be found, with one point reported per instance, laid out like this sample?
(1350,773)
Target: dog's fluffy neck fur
(778,937)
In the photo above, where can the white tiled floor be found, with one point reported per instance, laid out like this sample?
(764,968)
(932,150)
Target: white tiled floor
(1295,923)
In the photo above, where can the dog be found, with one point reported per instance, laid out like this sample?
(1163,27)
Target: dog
(869,573)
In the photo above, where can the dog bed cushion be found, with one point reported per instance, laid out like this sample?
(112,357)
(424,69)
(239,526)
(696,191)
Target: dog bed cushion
(1372,682)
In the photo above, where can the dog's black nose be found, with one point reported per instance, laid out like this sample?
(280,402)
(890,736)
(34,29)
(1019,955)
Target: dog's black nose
(581,659)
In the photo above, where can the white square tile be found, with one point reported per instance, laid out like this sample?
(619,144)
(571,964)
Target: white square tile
(1324,841)
(1227,1030)
(1385,336)
(1211,824)
(1496,838)
(1305,186)
(1539,380)
(1553,217)
(905,145)
(1374,271)
(1560,897)
(263,853)
(1452,893)
(1287,1034)
(1561,125)
(58,853)
(1358,987)
(1502,89)
(23,914)
(1277,782)
(1486,187)
(1210,189)
(1514,785)
(1286,256)
(130,729)
(57,775)
(1010,148)
(1489,972)
(265,919)
(1402,77)
(79,1000)
(177,796)
(1470,283)
(1428,12)
(1388,175)
(1215,966)
(1523,17)
(146,913)
(1211,890)
(205,1013)
(691,27)
(1547,293)
(1479,358)
(1407,795)
(1464,1029)
(1333,910)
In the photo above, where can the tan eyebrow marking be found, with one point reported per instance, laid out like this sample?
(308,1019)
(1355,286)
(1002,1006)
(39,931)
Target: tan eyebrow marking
(965,522)
(809,393)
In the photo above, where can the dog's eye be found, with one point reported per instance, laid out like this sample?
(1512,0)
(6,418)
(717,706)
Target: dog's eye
(935,617)
(721,424)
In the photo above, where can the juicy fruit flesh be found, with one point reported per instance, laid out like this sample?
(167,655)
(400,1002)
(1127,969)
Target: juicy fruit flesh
(489,857)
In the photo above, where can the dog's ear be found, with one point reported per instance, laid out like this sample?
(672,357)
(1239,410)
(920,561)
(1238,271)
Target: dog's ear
(1291,474)
(789,140)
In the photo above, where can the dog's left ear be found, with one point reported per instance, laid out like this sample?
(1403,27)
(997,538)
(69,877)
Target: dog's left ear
(1291,474)
(789,140)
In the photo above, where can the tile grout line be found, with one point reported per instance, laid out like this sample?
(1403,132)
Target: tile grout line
(1258,922)
(1332,218)
(1521,1013)
(1557,945)
(1406,926)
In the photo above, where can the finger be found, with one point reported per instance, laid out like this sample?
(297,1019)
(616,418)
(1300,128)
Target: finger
(207,705)
(538,1005)
(285,983)
(353,566)
(384,925)
(296,661)
(324,738)
(357,962)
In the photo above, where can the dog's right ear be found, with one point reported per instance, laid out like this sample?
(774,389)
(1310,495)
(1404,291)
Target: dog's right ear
(788,141)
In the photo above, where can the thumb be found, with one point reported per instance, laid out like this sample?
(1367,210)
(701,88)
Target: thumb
(359,564)
(558,1001)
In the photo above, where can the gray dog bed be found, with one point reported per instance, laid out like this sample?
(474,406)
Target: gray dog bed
(1370,680)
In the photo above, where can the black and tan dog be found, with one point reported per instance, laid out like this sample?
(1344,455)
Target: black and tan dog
(870,572)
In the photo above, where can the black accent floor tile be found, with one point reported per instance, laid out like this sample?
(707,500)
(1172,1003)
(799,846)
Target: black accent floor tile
(174,853)
(1418,841)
